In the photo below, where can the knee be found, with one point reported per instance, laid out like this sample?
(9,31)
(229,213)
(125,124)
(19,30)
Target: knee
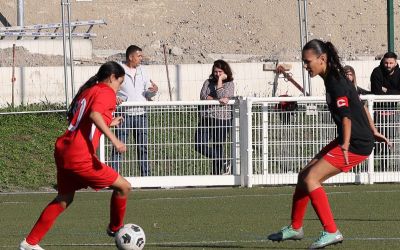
(64,201)
(125,188)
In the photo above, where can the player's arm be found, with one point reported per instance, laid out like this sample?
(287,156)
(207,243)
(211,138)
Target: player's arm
(98,120)
(378,136)
(341,96)
(346,131)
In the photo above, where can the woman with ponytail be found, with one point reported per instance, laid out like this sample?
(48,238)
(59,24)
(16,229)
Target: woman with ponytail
(89,116)
(355,139)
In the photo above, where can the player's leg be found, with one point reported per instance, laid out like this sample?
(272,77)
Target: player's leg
(311,181)
(300,201)
(46,220)
(294,231)
(118,202)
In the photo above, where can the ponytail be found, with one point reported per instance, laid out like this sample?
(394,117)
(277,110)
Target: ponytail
(321,47)
(105,71)
(88,84)
(334,62)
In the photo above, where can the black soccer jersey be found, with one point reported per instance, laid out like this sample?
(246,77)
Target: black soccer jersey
(343,101)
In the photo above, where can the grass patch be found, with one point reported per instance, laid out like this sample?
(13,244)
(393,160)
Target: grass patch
(223,218)
(26,150)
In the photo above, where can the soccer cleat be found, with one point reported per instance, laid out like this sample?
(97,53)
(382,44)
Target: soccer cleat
(26,246)
(287,233)
(110,232)
(326,239)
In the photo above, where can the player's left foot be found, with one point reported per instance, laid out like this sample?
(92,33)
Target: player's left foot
(26,246)
(110,232)
(326,239)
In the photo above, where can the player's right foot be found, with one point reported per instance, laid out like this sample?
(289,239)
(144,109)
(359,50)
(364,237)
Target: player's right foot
(110,232)
(287,233)
(26,246)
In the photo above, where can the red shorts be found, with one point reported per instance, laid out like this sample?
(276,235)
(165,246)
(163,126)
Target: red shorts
(96,175)
(333,154)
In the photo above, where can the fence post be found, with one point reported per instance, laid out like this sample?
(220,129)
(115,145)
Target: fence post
(246,151)
(371,156)
(235,149)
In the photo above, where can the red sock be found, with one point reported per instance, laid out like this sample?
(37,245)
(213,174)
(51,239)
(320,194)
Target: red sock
(45,222)
(117,212)
(299,207)
(320,202)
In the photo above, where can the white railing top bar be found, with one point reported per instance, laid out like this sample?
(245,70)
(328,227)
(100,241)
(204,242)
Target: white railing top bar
(174,103)
(393,98)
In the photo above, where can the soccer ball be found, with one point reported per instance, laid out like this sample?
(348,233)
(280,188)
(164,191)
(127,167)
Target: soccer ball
(130,237)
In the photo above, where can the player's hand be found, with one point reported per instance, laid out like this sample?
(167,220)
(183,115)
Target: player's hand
(384,89)
(224,100)
(119,100)
(345,150)
(381,138)
(116,121)
(120,146)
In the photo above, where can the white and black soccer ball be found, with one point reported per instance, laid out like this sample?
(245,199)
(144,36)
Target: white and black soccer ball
(130,237)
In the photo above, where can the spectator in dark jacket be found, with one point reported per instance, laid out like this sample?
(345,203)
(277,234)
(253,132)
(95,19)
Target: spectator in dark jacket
(385,79)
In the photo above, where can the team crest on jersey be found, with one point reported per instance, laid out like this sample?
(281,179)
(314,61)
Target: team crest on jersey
(342,101)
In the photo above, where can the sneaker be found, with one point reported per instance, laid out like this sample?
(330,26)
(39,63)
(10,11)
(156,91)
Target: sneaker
(26,246)
(326,239)
(287,233)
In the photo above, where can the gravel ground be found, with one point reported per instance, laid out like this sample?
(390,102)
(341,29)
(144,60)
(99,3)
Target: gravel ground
(198,31)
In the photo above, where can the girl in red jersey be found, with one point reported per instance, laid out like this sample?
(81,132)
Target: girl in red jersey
(89,116)
(356,135)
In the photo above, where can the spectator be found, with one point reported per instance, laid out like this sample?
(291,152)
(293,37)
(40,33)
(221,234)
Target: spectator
(215,121)
(385,80)
(90,116)
(137,87)
(351,75)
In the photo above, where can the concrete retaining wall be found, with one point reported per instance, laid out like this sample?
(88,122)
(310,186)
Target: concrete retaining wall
(46,84)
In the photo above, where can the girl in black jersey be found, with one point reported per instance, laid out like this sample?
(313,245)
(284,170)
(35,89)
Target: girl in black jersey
(355,139)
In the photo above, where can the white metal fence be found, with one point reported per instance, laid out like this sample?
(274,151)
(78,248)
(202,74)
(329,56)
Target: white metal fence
(267,142)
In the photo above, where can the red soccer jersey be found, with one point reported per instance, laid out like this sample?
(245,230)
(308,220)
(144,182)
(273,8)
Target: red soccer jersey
(79,143)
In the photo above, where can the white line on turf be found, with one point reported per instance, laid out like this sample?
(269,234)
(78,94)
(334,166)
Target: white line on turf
(183,243)
(223,196)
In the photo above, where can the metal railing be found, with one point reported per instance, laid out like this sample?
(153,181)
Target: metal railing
(269,141)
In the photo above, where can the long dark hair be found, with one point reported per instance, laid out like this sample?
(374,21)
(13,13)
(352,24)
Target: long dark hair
(221,64)
(321,47)
(105,71)
(348,68)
